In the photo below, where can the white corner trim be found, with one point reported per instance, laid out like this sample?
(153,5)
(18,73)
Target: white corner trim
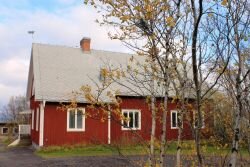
(41,131)
(139,119)
(83,121)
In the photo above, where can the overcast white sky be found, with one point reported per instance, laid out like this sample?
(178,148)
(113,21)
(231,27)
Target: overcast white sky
(61,22)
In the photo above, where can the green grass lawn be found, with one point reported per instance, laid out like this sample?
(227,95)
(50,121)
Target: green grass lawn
(6,140)
(107,150)
(97,150)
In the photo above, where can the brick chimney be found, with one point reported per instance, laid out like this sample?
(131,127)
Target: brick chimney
(85,44)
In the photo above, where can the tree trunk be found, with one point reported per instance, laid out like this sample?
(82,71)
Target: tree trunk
(237,116)
(152,138)
(197,19)
(180,126)
(197,146)
(248,133)
(235,147)
(178,153)
(163,136)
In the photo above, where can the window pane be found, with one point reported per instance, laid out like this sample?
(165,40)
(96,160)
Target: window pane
(136,120)
(79,119)
(5,130)
(125,115)
(174,119)
(131,120)
(71,119)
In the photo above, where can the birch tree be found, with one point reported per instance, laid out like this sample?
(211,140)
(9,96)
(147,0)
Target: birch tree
(210,45)
(11,111)
(153,23)
(150,28)
(236,78)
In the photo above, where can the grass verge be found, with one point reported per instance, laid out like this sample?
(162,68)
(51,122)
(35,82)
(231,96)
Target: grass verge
(109,150)
(94,150)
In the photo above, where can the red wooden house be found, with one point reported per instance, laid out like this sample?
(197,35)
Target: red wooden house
(56,71)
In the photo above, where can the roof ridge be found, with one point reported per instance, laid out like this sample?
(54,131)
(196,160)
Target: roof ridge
(72,47)
(56,45)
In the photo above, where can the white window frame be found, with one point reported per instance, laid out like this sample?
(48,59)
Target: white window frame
(203,119)
(83,120)
(139,119)
(171,121)
(32,119)
(7,130)
(37,118)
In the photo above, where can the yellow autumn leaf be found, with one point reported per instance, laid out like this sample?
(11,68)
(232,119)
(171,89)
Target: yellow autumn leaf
(104,72)
(149,8)
(210,15)
(125,18)
(138,8)
(118,74)
(224,3)
(170,21)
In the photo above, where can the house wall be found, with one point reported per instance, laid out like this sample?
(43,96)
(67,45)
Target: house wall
(96,131)
(55,128)
(117,134)
(34,106)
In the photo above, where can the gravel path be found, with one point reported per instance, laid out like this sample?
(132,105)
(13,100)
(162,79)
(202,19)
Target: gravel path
(25,157)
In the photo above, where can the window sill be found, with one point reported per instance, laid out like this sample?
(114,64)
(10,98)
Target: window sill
(75,130)
(203,127)
(174,128)
(127,129)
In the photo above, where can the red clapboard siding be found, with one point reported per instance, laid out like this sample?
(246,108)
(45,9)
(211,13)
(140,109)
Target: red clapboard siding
(55,128)
(96,131)
(118,134)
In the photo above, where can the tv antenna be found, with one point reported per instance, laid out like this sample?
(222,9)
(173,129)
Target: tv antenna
(32,32)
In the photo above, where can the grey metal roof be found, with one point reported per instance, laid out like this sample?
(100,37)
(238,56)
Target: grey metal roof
(59,70)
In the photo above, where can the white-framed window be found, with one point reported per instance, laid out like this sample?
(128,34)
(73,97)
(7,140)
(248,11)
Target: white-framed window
(195,118)
(131,119)
(32,119)
(76,120)
(37,118)
(5,130)
(175,119)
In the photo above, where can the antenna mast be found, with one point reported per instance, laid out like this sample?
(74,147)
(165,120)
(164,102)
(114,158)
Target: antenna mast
(32,32)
